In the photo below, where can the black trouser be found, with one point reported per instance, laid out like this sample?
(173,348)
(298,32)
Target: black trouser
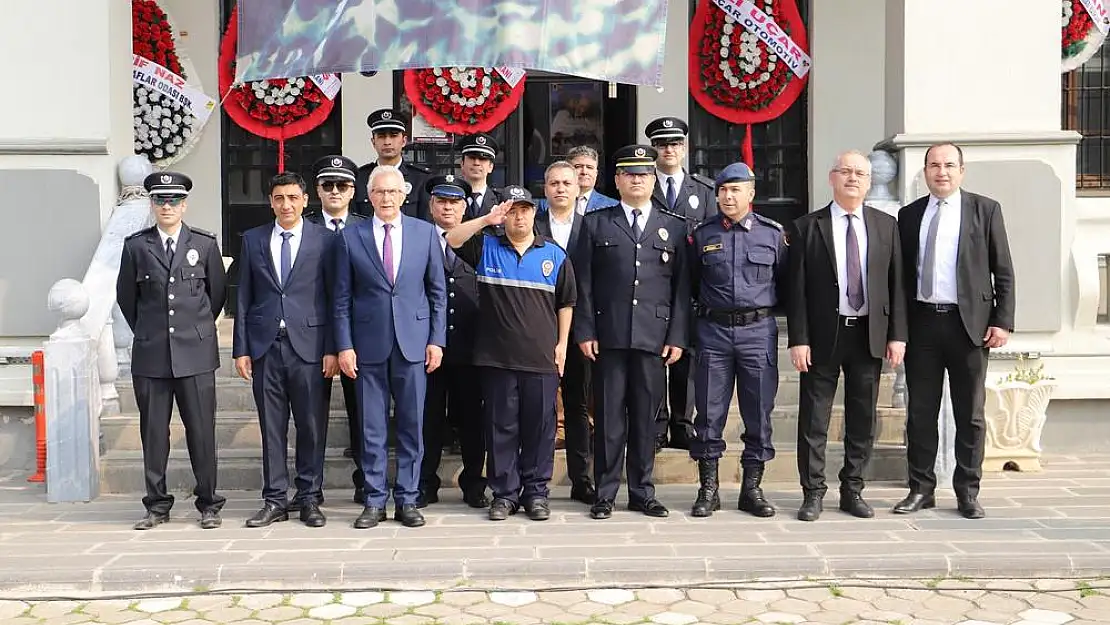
(861,392)
(283,382)
(576,415)
(939,342)
(628,388)
(354,422)
(520,432)
(676,414)
(196,402)
(454,401)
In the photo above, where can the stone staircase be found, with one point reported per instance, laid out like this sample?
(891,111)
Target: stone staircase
(238,440)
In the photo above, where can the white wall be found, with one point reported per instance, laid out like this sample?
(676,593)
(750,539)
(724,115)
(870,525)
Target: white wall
(360,97)
(674,99)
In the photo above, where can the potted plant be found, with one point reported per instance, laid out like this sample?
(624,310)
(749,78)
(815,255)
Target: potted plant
(1015,415)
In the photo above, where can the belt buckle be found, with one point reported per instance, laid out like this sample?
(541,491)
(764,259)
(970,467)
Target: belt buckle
(850,322)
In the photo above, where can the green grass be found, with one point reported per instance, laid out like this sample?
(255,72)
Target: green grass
(835,590)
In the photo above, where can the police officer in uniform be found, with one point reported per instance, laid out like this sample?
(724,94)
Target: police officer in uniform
(389,135)
(632,319)
(335,186)
(691,196)
(454,396)
(478,154)
(171,287)
(737,260)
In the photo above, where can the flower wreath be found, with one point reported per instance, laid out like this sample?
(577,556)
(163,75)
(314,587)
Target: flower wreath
(1081,37)
(734,75)
(278,108)
(462,100)
(165,131)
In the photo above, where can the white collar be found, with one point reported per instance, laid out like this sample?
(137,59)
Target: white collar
(838,212)
(953,200)
(396,223)
(296,230)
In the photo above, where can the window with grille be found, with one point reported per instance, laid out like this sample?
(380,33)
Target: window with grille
(1086,106)
(780,150)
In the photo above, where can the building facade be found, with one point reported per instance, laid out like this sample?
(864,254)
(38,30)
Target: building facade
(896,75)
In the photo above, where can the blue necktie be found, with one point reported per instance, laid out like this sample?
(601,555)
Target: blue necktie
(286,256)
(672,197)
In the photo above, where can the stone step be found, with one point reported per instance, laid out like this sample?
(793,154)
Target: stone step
(236,395)
(240,430)
(121,472)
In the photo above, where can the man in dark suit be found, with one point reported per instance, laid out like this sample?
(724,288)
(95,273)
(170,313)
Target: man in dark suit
(170,289)
(391,328)
(632,320)
(389,135)
(844,257)
(960,284)
(584,159)
(561,223)
(335,186)
(692,197)
(454,390)
(284,345)
(478,154)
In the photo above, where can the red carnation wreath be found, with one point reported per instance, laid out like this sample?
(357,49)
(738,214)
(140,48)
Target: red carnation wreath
(734,75)
(1081,36)
(462,100)
(277,109)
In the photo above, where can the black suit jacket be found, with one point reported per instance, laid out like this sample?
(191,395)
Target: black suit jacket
(814,300)
(695,200)
(172,307)
(543,227)
(631,296)
(985,272)
(490,198)
(462,310)
(319,217)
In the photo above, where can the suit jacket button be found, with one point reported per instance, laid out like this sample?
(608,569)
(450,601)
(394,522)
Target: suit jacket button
(452,294)
(171,313)
(171,295)
(451,280)
(633,302)
(451,311)
(450,327)
(283,296)
(171,279)
(171,329)
(146,277)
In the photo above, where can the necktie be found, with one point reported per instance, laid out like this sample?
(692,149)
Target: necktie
(169,250)
(636,232)
(337,223)
(387,253)
(672,197)
(473,208)
(448,253)
(286,256)
(855,273)
(929,255)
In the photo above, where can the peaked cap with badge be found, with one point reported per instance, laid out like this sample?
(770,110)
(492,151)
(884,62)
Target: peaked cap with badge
(335,167)
(667,130)
(449,186)
(481,145)
(168,183)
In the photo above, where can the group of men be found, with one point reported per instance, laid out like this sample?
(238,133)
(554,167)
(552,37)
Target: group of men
(451,309)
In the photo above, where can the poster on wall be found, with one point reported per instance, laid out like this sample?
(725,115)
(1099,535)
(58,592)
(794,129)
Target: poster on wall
(576,116)
(420,131)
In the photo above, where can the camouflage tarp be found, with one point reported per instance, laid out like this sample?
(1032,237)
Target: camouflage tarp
(616,40)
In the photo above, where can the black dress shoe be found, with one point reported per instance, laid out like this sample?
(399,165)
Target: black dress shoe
(853,504)
(476,498)
(311,515)
(360,497)
(914,502)
(151,520)
(812,506)
(425,497)
(370,517)
(210,520)
(538,509)
(501,509)
(603,509)
(269,514)
(584,492)
(660,443)
(970,508)
(651,507)
(408,515)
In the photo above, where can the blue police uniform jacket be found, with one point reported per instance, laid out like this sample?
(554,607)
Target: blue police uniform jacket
(738,265)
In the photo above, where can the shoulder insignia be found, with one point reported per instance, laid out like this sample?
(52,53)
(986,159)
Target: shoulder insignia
(704,180)
(420,168)
(139,233)
(768,221)
(671,213)
(202,232)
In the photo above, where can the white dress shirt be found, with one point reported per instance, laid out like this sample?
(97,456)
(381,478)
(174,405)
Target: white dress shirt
(840,242)
(395,237)
(328,220)
(442,234)
(560,230)
(176,237)
(679,176)
(294,245)
(947,248)
(644,214)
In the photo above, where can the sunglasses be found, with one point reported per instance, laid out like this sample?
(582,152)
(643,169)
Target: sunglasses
(171,200)
(333,186)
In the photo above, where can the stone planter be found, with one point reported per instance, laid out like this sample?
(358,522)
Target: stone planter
(1015,418)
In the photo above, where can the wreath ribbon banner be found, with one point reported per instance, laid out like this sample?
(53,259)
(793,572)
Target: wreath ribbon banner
(770,33)
(1099,14)
(150,74)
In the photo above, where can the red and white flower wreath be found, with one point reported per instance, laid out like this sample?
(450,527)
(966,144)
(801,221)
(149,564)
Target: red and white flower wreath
(1081,36)
(462,100)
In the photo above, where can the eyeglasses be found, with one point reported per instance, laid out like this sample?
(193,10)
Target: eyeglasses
(848,171)
(167,200)
(385,192)
(335,186)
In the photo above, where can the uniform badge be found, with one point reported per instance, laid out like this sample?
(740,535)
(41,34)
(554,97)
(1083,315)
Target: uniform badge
(641,152)
(712,248)
(387,115)
(480,141)
(192,256)
(547,267)
(449,177)
(336,162)
(666,257)
(664,235)
(166,178)
(694,202)
(408,188)
(667,123)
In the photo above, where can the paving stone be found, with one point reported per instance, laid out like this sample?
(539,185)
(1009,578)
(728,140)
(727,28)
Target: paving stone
(490,611)
(761,596)
(304,621)
(206,603)
(361,599)
(436,610)
(696,608)
(121,616)
(411,599)
(712,596)
(914,595)
(517,618)
(260,602)
(969,594)
(660,596)
(611,596)
(23,620)
(462,618)
(884,616)
(990,616)
(1046,617)
(794,606)
(1054,603)
(12,609)
(48,609)
(893,604)
(723,618)
(465,597)
(311,599)
(1002,604)
(66,619)
(779,617)
(641,609)
(332,611)
(589,608)
(513,599)
(977,622)
(410,619)
(279,613)
(950,606)
(844,605)
(254,621)
(1054,584)
(831,618)
(563,598)
(674,618)
(178,616)
(816,595)
(356,620)
(383,610)
(743,607)
(862,593)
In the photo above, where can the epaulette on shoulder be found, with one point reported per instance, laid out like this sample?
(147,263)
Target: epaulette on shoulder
(420,168)
(204,233)
(768,221)
(672,214)
(139,233)
(704,180)
(708,222)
